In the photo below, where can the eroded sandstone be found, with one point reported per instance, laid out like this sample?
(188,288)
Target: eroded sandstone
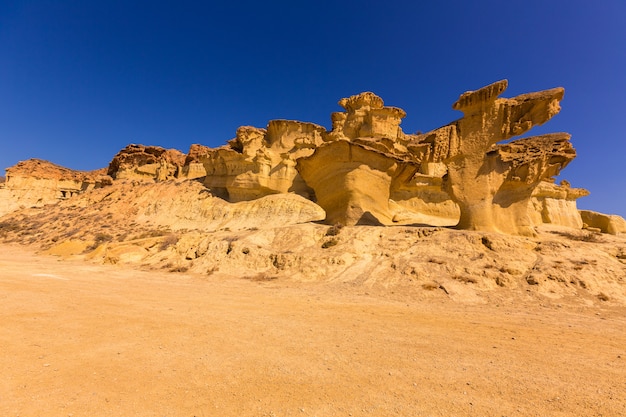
(352,182)
(366,170)
(492,184)
(35,183)
(606,223)
(150,163)
(260,162)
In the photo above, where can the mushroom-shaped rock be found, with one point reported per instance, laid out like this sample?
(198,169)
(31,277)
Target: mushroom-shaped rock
(513,171)
(491,184)
(352,182)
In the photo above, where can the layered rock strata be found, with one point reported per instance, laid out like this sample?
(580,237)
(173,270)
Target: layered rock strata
(556,204)
(35,183)
(606,223)
(193,166)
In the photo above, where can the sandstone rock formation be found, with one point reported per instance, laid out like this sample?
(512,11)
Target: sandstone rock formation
(366,116)
(493,184)
(259,162)
(607,223)
(422,200)
(193,166)
(366,170)
(458,173)
(34,183)
(194,208)
(556,204)
(132,210)
(141,162)
(352,182)
(363,161)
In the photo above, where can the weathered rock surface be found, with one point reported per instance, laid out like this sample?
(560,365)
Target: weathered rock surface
(196,209)
(151,163)
(193,166)
(352,182)
(35,182)
(362,164)
(422,200)
(492,184)
(607,223)
(366,116)
(260,162)
(186,205)
(517,169)
(556,204)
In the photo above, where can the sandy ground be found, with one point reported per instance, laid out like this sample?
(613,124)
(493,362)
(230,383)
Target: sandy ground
(80,339)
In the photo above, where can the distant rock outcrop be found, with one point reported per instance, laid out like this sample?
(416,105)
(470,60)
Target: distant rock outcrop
(35,182)
(141,162)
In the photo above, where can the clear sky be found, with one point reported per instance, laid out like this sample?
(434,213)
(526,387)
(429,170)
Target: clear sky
(79,80)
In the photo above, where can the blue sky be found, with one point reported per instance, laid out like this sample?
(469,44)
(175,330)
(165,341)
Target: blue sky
(79,80)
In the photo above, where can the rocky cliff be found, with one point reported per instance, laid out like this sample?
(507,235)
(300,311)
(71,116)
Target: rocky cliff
(35,183)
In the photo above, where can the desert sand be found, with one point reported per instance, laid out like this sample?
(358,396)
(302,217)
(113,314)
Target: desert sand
(87,339)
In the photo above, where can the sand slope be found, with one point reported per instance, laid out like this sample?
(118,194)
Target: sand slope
(180,226)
